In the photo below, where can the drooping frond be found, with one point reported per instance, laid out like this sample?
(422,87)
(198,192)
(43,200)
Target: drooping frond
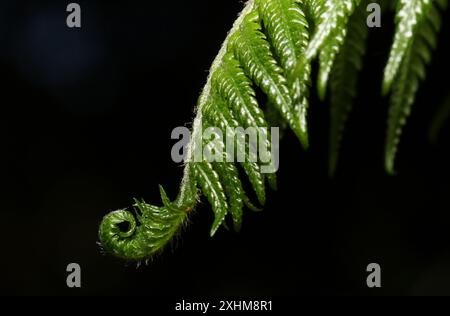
(344,80)
(410,54)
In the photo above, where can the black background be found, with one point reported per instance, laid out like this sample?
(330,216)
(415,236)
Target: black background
(85,124)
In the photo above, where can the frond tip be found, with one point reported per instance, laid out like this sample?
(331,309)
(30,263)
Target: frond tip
(411,52)
(344,81)
(130,239)
(409,16)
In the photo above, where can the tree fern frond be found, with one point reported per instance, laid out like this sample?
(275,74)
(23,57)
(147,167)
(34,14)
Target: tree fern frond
(227,102)
(414,51)
(344,80)
(270,48)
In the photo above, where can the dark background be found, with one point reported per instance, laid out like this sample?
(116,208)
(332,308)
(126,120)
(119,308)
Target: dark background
(85,124)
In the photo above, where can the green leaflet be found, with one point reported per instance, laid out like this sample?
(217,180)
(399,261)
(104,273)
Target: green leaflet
(253,51)
(326,60)
(212,188)
(412,70)
(400,108)
(344,80)
(228,173)
(287,28)
(221,118)
(235,90)
(334,16)
(331,18)
(233,85)
(229,176)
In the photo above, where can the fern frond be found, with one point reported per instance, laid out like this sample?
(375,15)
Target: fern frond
(248,58)
(407,65)
(271,47)
(344,80)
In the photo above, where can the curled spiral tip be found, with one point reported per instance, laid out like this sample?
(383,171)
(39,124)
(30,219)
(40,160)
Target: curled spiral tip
(138,239)
(112,238)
